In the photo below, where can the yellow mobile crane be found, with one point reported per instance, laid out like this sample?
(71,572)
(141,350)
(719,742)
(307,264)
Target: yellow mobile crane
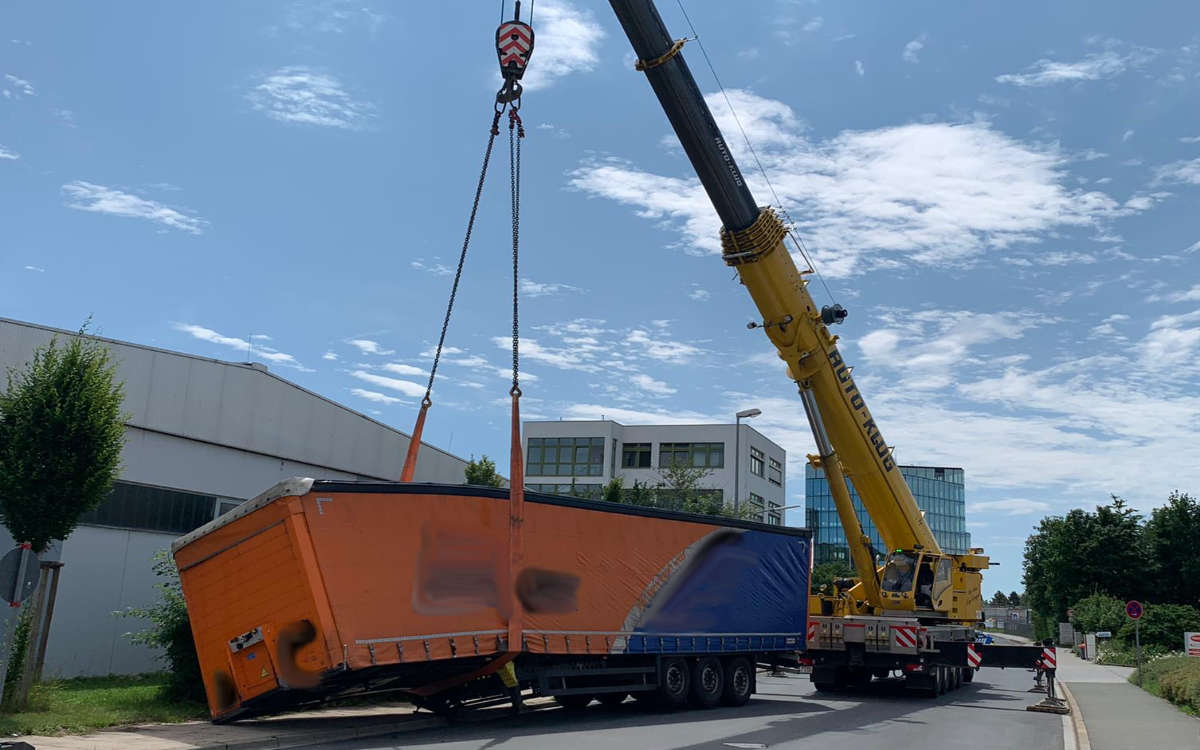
(917,610)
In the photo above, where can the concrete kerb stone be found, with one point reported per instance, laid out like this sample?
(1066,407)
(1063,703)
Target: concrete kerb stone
(1081,735)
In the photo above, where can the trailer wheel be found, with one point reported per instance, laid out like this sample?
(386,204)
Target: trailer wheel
(673,683)
(738,680)
(575,702)
(969,674)
(708,682)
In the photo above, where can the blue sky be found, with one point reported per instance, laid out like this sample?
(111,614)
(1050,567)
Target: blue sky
(1005,198)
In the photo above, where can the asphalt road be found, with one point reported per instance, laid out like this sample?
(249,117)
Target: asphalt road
(786,713)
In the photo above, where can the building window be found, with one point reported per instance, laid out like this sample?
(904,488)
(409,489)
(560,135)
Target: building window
(564,457)
(635,456)
(774,514)
(775,473)
(135,506)
(757,462)
(698,455)
(590,491)
(755,503)
(224,505)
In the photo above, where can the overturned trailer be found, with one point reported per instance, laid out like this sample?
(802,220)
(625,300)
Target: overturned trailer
(320,589)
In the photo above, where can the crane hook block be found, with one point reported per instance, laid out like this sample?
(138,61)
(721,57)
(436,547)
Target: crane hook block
(831,314)
(514,45)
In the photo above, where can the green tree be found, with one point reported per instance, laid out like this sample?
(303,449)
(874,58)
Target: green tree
(1170,539)
(170,632)
(1162,626)
(825,574)
(61,433)
(1099,612)
(613,491)
(679,488)
(1070,557)
(1014,599)
(998,600)
(482,473)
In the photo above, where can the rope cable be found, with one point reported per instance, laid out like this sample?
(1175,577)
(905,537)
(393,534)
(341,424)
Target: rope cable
(792,231)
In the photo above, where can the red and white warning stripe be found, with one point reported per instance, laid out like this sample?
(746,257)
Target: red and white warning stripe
(1049,657)
(515,43)
(904,636)
(814,630)
(974,658)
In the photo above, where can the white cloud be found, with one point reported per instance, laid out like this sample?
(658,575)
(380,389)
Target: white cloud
(1013,507)
(1126,135)
(568,40)
(814,24)
(1107,329)
(300,94)
(1191,295)
(657,346)
(397,368)
(931,193)
(258,351)
(437,269)
(699,294)
(912,50)
(36,269)
(530,288)
(367,346)
(567,358)
(1093,67)
(87,196)
(1190,139)
(636,416)
(858,68)
(1180,171)
(376,396)
(1092,154)
(406,387)
(652,386)
(330,356)
(330,17)
(23,87)
(6,154)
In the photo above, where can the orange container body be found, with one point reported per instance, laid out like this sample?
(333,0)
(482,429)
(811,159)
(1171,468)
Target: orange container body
(316,588)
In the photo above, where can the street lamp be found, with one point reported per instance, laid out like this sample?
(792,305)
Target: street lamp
(780,509)
(737,452)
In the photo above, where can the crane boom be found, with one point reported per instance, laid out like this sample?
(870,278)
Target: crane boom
(850,444)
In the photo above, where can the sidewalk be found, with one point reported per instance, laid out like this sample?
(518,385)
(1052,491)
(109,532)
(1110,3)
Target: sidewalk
(290,730)
(1118,714)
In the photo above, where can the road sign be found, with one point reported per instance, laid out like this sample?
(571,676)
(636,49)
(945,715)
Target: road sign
(1191,644)
(19,571)
(1104,634)
(1134,609)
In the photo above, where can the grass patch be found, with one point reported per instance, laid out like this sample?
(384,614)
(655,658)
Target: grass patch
(84,704)
(1175,678)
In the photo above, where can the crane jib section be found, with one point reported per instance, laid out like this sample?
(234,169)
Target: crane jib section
(842,370)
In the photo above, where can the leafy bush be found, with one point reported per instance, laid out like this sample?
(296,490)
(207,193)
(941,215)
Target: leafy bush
(171,632)
(1176,678)
(1163,626)
(1099,612)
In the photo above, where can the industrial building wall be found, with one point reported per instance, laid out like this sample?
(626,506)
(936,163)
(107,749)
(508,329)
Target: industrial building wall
(198,430)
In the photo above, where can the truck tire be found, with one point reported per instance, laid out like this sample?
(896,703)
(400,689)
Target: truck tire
(940,680)
(969,674)
(708,682)
(737,682)
(674,683)
(956,673)
(574,702)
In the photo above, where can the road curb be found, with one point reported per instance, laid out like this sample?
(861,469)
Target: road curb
(307,739)
(1082,742)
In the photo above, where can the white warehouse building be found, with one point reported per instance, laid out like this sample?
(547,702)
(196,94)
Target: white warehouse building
(201,436)
(580,457)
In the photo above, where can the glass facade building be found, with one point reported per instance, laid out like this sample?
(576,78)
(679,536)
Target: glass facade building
(939,491)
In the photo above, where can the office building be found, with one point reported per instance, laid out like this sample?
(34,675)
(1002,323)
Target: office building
(939,491)
(580,457)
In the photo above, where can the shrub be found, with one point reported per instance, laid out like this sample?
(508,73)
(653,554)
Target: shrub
(1163,626)
(171,632)
(1099,612)
(1176,678)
